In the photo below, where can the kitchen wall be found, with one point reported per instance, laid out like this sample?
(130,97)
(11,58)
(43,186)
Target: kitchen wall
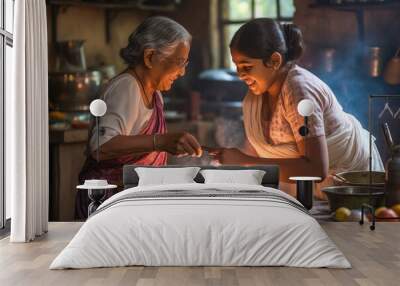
(336,28)
(322,28)
(327,28)
(88,23)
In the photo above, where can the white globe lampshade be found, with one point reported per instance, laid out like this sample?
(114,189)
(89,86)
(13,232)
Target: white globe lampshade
(305,107)
(98,107)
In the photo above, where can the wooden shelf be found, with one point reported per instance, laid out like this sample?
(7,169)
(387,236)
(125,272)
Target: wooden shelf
(130,5)
(358,5)
(358,8)
(110,11)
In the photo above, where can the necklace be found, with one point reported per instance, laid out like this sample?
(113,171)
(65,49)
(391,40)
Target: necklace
(147,100)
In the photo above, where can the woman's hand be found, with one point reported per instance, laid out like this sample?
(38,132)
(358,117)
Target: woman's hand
(181,144)
(227,156)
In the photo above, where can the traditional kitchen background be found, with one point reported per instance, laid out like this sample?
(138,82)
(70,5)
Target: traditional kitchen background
(348,44)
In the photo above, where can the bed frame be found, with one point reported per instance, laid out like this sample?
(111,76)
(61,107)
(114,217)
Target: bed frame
(270,179)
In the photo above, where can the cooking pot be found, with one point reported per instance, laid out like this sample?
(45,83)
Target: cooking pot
(359,178)
(73,91)
(220,85)
(221,93)
(353,197)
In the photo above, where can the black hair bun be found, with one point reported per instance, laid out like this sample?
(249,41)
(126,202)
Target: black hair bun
(294,41)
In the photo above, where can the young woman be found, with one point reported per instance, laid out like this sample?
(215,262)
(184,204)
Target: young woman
(133,131)
(264,53)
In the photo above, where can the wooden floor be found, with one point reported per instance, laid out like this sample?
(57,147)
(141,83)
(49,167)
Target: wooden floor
(375,257)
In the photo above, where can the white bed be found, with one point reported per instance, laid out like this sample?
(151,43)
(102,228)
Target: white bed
(223,225)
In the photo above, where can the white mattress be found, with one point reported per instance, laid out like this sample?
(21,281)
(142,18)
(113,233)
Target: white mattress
(202,231)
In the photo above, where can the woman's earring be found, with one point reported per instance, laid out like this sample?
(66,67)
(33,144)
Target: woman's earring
(276,65)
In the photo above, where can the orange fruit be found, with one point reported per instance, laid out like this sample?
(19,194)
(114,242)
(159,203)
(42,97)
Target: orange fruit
(396,209)
(379,210)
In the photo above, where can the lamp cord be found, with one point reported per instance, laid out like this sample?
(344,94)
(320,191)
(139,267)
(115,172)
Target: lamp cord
(305,136)
(98,138)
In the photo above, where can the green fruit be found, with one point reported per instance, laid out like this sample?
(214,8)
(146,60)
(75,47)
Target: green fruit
(342,214)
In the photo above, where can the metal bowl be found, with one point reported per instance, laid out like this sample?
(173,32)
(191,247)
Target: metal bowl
(360,178)
(352,197)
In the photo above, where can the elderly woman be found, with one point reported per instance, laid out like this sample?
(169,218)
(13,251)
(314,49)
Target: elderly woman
(133,131)
(265,53)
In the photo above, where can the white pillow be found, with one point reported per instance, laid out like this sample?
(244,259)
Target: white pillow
(166,176)
(248,177)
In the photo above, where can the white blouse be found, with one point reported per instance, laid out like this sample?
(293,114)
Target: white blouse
(285,122)
(126,112)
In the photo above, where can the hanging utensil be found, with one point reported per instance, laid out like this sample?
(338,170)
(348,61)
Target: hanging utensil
(373,61)
(397,114)
(386,108)
(392,178)
(388,136)
(392,70)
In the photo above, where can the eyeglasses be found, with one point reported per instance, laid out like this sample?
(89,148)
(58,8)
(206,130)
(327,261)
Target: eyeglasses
(182,63)
(179,62)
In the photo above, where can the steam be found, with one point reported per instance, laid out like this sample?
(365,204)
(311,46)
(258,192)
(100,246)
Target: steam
(351,83)
(229,133)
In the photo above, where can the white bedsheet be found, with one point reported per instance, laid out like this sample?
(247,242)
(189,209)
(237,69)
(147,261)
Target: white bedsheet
(200,231)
